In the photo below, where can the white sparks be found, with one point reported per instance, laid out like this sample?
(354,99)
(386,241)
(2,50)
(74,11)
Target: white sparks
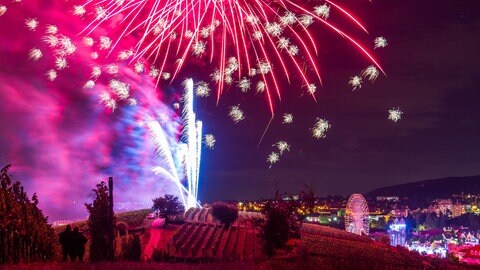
(264,67)
(288,19)
(273,29)
(31,24)
(35,54)
(228,79)
(154,72)
(202,90)
(244,84)
(89,84)
(3,9)
(306,20)
(107,100)
(79,10)
(395,114)
(61,63)
(88,41)
(100,13)
(236,114)
(139,67)
(355,82)
(232,66)
(198,48)
(176,105)
(132,102)
(371,72)
(105,43)
(121,89)
(260,86)
(51,75)
(282,146)
(319,129)
(112,68)
(51,40)
(322,11)
(273,158)
(124,55)
(311,88)
(96,72)
(252,72)
(257,35)
(283,43)
(205,32)
(287,118)
(293,50)
(216,76)
(209,141)
(380,42)
(252,19)
(94,55)
(66,46)
(51,29)
(188,34)
(166,75)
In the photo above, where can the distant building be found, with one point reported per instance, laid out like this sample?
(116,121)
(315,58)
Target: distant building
(397,233)
(458,210)
(388,198)
(400,212)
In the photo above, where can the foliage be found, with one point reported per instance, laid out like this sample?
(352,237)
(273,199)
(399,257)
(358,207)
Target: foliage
(25,235)
(276,229)
(100,225)
(132,249)
(168,206)
(226,213)
(133,218)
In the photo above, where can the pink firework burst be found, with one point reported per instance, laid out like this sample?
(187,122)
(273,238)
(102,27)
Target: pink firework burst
(243,40)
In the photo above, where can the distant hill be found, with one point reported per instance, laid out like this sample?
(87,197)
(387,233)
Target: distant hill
(423,192)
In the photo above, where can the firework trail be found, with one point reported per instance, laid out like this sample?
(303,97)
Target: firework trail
(246,42)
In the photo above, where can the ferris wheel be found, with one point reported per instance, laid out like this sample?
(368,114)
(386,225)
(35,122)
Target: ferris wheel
(357,219)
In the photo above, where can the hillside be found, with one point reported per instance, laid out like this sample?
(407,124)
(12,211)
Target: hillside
(422,192)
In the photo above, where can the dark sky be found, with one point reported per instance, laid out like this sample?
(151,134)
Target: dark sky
(432,63)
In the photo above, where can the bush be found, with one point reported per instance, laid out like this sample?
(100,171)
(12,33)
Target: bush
(225,213)
(132,250)
(275,231)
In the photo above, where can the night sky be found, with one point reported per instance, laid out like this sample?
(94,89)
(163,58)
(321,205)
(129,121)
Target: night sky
(431,63)
(432,66)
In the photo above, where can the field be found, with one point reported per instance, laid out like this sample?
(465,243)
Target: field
(320,247)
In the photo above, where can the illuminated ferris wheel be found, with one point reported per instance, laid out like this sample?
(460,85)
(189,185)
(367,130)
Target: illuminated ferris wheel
(356,215)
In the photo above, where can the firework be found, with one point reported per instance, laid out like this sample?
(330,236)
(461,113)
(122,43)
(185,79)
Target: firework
(35,54)
(355,82)
(282,146)
(380,42)
(192,133)
(31,24)
(236,114)
(209,141)
(287,118)
(260,39)
(371,73)
(273,158)
(395,114)
(320,128)
(3,9)
(202,90)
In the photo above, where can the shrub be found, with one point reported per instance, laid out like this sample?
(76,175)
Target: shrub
(225,213)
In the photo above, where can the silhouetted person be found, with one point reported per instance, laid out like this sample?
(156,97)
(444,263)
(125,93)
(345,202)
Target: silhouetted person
(65,239)
(78,245)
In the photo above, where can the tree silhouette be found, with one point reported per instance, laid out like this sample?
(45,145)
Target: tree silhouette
(168,206)
(275,230)
(100,224)
(226,213)
(25,235)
